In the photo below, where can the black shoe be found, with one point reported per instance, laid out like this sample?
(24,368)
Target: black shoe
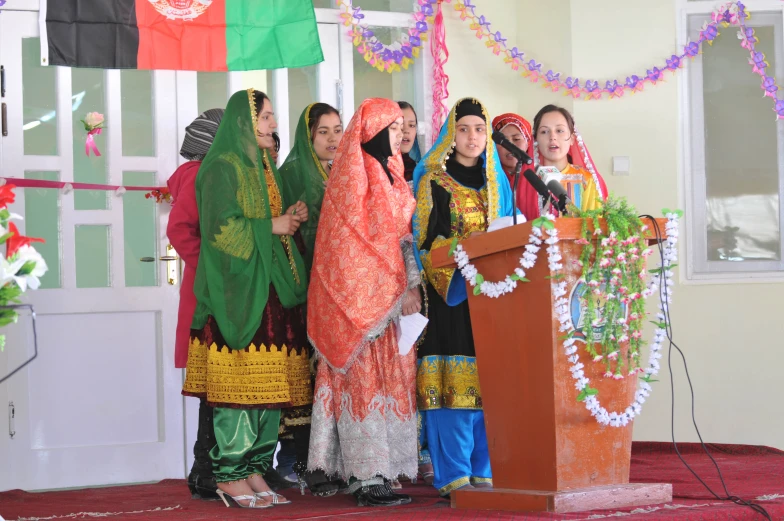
(316,481)
(319,484)
(203,487)
(275,480)
(376,496)
(404,499)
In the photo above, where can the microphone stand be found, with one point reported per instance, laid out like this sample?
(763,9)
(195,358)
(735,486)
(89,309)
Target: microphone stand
(517,169)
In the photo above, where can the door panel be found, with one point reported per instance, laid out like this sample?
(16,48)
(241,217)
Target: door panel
(101,404)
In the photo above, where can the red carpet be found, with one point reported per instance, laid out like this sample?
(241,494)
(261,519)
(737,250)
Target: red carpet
(753,473)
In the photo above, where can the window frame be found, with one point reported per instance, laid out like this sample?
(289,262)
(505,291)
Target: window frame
(422,66)
(692,176)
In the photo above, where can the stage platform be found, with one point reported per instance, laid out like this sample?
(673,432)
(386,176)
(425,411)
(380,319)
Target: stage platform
(753,473)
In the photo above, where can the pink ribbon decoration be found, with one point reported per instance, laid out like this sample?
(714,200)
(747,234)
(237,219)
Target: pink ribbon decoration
(440,55)
(90,143)
(42,183)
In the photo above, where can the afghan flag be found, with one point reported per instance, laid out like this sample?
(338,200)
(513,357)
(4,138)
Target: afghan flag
(195,35)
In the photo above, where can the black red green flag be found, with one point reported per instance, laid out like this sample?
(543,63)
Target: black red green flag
(199,35)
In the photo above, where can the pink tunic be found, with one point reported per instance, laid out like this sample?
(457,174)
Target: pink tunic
(184,235)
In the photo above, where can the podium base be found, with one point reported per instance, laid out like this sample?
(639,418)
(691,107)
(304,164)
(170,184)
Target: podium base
(577,500)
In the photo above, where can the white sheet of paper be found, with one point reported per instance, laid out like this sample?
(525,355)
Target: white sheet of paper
(409,327)
(505,222)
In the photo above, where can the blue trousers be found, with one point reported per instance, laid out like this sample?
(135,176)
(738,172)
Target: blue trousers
(424,454)
(457,442)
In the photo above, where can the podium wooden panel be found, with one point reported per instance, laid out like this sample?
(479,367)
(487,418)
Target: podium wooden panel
(547,452)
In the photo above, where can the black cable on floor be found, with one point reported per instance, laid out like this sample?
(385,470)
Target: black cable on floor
(668,328)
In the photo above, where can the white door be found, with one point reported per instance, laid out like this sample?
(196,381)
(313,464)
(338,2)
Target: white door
(101,404)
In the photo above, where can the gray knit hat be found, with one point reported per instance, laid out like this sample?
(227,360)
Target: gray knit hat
(200,134)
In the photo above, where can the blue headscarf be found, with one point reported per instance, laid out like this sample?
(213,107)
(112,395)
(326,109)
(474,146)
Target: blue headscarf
(415,153)
(499,193)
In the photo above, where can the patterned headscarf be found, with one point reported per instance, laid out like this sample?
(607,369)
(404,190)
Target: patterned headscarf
(519,122)
(239,192)
(359,276)
(499,194)
(434,161)
(200,134)
(527,197)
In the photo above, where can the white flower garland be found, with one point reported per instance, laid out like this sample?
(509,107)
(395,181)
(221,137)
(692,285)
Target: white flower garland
(582,382)
(561,307)
(497,289)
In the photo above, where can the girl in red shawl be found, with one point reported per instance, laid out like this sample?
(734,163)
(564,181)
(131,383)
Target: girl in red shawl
(518,130)
(183,232)
(364,276)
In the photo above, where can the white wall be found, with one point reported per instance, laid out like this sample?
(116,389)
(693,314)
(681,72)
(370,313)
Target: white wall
(731,333)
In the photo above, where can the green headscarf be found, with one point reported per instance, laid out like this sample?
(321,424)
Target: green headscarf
(305,177)
(238,191)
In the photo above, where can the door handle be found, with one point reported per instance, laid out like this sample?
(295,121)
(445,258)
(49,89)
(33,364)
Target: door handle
(165,258)
(339,96)
(172,264)
(4,117)
(11,420)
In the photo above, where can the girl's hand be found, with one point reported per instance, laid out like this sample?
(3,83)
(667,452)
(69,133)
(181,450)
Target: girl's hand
(412,302)
(300,210)
(287,224)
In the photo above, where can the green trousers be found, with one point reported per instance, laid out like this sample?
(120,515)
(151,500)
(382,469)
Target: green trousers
(245,441)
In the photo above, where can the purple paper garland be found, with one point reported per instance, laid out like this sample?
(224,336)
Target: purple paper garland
(388,57)
(733,13)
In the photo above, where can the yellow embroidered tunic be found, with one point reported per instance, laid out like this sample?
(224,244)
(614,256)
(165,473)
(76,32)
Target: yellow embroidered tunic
(274,370)
(580,187)
(447,375)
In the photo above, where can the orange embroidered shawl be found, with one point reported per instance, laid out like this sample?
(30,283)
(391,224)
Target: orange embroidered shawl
(359,274)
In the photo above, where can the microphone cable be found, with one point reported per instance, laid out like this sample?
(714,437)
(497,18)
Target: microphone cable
(666,311)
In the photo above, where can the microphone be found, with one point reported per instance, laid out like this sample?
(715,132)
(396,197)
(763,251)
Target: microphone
(548,173)
(551,177)
(537,183)
(501,141)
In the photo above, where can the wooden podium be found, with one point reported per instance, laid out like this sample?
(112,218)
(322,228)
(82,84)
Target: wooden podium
(547,452)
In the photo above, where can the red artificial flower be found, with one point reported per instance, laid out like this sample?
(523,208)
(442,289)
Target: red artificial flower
(160,195)
(7,195)
(17,240)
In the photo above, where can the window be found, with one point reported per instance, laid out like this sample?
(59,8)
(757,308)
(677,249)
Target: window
(735,157)
(344,79)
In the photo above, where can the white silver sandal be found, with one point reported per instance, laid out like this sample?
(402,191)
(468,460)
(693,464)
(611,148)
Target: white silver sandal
(276,498)
(234,501)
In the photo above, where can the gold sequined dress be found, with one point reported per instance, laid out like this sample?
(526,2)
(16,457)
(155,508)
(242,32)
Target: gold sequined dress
(447,375)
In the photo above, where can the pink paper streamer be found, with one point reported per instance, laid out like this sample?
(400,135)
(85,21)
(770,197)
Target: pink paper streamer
(440,78)
(90,143)
(41,183)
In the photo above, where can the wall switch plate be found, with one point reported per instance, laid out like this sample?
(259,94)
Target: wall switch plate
(622,165)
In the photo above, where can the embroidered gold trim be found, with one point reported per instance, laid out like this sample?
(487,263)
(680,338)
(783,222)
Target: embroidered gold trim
(296,422)
(481,480)
(448,381)
(250,195)
(436,161)
(254,117)
(196,368)
(439,278)
(310,144)
(424,200)
(235,237)
(252,376)
(273,192)
(493,194)
(276,209)
(456,484)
